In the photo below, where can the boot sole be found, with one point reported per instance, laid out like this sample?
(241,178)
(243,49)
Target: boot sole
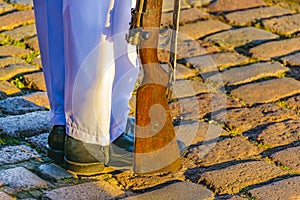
(55,155)
(85,169)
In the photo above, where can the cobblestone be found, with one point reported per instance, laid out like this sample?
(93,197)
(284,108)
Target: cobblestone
(246,17)
(20,179)
(16,19)
(289,157)
(275,49)
(168,5)
(55,172)
(285,189)
(38,98)
(22,32)
(13,70)
(3,195)
(35,81)
(16,154)
(232,5)
(8,88)
(286,25)
(39,141)
(9,50)
(6,61)
(240,37)
(293,60)
(263,92)
(88,191)
(232,179)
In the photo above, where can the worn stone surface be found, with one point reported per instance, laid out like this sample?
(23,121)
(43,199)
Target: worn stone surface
(245,17)
(271,50)
(9,50)
(199,3)
(188,88)
(16,154)
(213,62)
(20,179)
(15,19)
(289,157)
(186,16)
(10,61)
(280,133)
(264,92)
(8,88)
(35,81)
(168,5)
(180,190)
(286,25)
(22,32)
(252,72)
(286,189)
(23,2)
(25,125)
(33,44)
(88,191)
(227,150)
(232,179)
(39,141)
(54,171)
(13,70)
(257,117)
(17,106)
(293,103)
(202,28)
(202,106)
(293,60)
(5,7)
(240,37)
(231,5)
(3,195)
(38,98)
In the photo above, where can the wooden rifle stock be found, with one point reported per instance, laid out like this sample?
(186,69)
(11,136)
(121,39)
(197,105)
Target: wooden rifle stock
(156,148)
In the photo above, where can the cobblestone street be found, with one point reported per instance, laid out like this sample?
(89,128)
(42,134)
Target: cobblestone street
(236,103)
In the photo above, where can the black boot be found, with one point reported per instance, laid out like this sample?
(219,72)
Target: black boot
(55,147)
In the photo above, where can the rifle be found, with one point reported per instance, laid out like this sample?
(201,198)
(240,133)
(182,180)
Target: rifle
(156,148)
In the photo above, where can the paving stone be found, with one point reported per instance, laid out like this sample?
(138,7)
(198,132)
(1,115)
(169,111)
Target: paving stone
(54,171)
(229,149)
(10,61)
(199,3)
(18,106)
(232,5)
(202,106)
(23,2)
(13,70)
(182,72)
(168,5)
(87,191)
(188,88)
(240,37)
(246,17)
(293,103)
(216,61)
(35,81)
(246,74)
(15,19)
(202,28)
(38,98)
(280,133)
(39,141)
(289,157)
(180,190)
(286,25)
(16,154)
(264,92)
(22,32)
(20,179)
(186,16)
(293,60)
(257,117)
(3,195)
(5,7)
(232,179)
(285,189)
(9,50)
(27,125)
(33,44)
(271,50)
(8,88)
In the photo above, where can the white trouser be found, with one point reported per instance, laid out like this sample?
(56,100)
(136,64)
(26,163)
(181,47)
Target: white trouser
(89,69)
